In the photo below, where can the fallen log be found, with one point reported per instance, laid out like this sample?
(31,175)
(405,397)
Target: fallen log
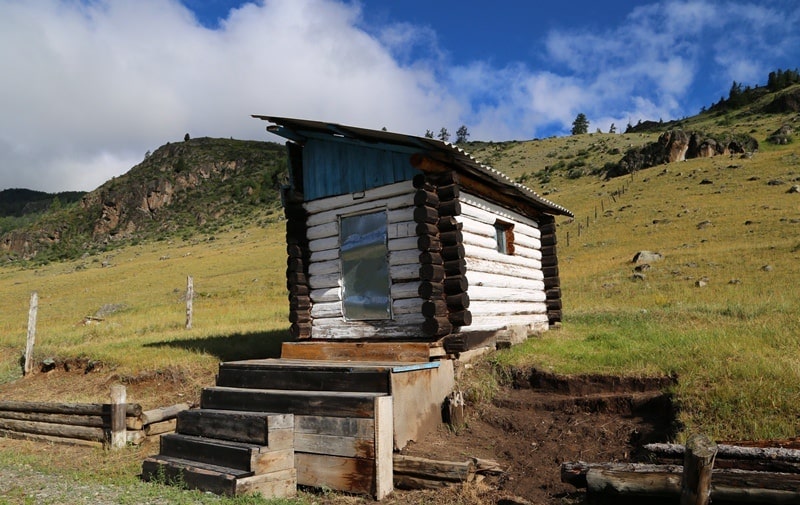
(163,413)
(645,480)
(411,472)
(160,427)
(731,452)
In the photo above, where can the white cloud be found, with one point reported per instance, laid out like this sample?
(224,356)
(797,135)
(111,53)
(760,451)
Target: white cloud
(93,82)
(90,85)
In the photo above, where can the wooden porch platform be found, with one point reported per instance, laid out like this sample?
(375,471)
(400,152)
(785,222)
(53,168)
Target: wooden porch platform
(348,418)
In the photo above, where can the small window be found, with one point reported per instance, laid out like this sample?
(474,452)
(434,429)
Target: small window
(504,233)
(366,287)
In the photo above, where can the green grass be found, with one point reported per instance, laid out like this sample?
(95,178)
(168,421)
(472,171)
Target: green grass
(733,345)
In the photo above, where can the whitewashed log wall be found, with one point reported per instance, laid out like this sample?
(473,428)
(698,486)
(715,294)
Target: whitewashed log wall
(503,289)
(324,266)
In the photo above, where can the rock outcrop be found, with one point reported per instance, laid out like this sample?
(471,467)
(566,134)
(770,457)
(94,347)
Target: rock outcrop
(677,145)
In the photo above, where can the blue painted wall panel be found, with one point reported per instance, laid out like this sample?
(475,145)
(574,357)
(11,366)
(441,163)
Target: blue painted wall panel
(333,168)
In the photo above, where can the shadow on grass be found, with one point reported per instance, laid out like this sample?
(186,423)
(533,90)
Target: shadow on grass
(238,346)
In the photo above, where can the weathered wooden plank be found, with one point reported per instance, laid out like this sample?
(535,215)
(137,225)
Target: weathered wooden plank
(278,484)
(404,257)
(324,267)
(384,445)
(323,244)
(473,251)
(406,326)
(324,230)
(324,255)
(404,273)
(352,475)
(485,293)
(536,322)
(324,281)
(323,295)
(194,475)
(335,445)
(160,427)
(351,427)
(493,267)
(261,428)
(401,244)
(361,351)
(480,308)
(333,403)
(500,280)
(402,290)
(406,306)
(303,379)
(423,393)
(398,194)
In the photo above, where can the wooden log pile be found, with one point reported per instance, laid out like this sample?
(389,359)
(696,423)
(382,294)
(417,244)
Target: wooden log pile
(297,262)
(552,281)
(739,475)
(442,268)
(82,423)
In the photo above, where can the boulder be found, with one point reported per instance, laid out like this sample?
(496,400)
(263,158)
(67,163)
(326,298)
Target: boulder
(647,257)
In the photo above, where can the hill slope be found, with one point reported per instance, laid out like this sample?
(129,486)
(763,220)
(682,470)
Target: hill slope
(185,187)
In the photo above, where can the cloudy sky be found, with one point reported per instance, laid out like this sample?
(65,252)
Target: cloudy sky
(88,86)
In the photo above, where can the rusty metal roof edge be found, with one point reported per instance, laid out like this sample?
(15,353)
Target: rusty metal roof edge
(459,154)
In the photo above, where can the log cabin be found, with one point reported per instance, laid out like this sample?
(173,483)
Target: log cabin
(403,253)
(394,237)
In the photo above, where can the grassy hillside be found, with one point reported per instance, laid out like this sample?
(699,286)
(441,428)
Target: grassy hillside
(721,310)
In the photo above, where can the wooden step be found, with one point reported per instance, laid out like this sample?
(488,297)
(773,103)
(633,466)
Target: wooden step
(267,429)
(234,455)
(194,475)
(218,479)
(282,374)
(331,403)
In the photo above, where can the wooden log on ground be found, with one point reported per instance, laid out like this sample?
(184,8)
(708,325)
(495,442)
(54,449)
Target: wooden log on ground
(54,430)
(160,414)
(725,451)
(85,409)
(17,435)
(698,464)
(70,419)
(436,470)
(634,479)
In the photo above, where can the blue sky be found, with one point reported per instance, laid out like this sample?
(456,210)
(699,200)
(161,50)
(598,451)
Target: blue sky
(91,85)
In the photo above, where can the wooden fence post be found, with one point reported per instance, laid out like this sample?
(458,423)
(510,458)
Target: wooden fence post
(698,463)
(34,307)
(118,407)
(189,300)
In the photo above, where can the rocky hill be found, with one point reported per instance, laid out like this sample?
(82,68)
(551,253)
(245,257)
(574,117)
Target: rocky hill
(199,185)
(188,187)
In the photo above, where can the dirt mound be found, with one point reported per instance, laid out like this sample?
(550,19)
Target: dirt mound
(545,419)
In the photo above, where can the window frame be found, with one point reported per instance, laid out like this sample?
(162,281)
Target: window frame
(344,270)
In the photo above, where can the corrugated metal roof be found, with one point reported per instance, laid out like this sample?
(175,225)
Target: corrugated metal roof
(298,129)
